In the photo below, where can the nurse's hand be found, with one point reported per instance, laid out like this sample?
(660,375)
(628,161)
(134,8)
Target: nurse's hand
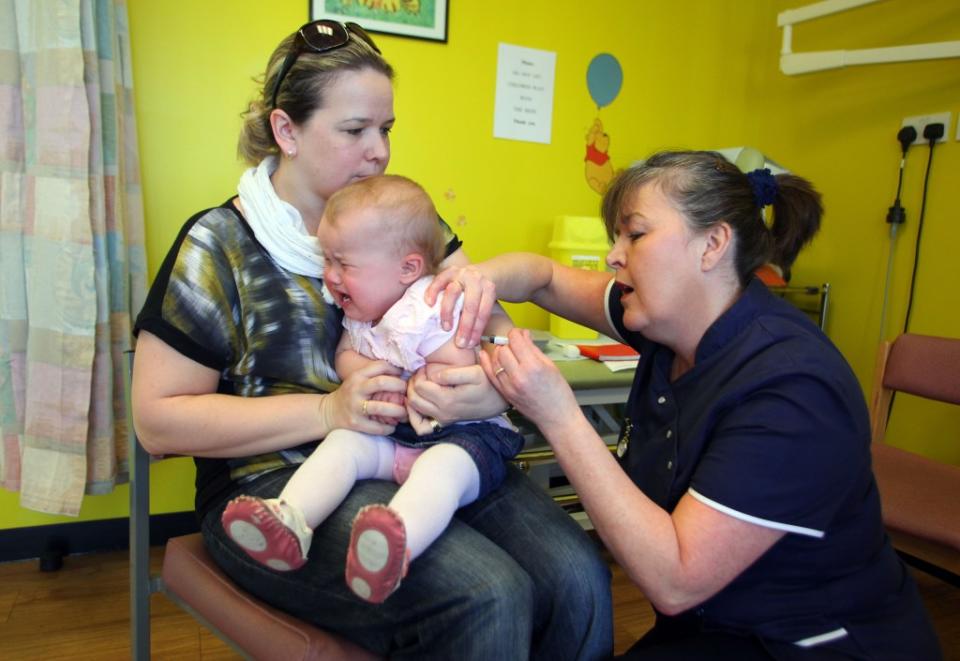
(530,381)
(451,394)
(479,297)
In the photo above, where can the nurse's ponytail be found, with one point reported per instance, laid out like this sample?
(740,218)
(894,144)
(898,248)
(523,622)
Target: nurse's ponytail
(708,189)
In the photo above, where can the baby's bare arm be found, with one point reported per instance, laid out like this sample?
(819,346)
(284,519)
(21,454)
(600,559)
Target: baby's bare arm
(347,360)
(448,355)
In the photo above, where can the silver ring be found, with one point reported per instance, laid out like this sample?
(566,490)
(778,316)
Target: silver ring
(435,425)
(363,409)
(500,370)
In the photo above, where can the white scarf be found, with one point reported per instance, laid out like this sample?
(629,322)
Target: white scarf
(278,225)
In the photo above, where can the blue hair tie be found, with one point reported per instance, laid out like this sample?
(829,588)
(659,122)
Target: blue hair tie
(764,186)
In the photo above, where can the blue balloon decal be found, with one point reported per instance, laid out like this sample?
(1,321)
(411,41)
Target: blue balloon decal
(604,78)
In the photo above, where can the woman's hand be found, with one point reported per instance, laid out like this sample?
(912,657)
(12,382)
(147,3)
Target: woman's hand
(421,424)
(397,398)
(479,297)
(450,394)
(361,403)
(530,381)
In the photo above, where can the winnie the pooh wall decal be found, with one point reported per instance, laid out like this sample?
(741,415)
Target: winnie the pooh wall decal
(604,79)
(597,167)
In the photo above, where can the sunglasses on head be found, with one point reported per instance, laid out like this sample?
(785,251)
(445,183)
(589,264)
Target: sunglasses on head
(319,37)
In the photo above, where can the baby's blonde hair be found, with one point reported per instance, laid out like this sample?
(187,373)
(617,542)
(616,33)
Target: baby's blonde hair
(404,215)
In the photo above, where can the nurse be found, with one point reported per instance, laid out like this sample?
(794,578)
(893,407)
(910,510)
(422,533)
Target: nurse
(741,498)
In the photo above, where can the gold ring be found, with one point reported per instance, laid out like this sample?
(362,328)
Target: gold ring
(363,409)
(435,425)
(500,370)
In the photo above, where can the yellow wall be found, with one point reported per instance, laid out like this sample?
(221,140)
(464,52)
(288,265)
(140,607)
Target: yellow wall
(839,129)
(697,73)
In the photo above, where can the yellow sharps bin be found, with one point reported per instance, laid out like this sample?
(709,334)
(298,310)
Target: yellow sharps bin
(580,242)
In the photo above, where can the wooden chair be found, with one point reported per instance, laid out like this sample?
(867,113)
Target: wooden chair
(193,581)
(920,496)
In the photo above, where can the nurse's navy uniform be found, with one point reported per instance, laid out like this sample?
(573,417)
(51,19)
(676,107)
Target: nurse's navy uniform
(770,427)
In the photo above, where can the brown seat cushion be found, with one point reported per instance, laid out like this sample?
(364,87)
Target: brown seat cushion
(263,632)
(920,496)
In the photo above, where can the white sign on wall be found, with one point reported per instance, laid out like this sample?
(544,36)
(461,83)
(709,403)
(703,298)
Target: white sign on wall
(523,109)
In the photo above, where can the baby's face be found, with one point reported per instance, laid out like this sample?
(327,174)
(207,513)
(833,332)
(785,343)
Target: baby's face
(361,270)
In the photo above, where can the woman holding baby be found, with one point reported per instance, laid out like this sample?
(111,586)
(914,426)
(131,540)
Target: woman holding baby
(234,367)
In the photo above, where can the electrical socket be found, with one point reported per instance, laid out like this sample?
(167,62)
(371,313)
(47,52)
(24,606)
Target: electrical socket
(919,122)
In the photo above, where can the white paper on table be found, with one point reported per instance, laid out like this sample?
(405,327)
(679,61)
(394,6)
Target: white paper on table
(620,365)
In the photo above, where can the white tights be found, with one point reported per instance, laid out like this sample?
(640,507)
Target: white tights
(442,479)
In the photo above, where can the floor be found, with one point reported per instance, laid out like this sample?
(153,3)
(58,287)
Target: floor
(81,612)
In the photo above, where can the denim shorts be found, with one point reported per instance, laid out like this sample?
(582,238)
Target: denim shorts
(488,444)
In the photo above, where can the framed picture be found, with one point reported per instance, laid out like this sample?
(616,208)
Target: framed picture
(420,19)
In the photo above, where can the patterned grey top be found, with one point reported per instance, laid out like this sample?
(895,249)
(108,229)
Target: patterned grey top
(220,300)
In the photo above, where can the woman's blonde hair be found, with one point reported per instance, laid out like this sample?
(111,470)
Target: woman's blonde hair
(302,90)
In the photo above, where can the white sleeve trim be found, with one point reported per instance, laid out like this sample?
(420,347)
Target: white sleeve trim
(606,311)
(776,525)
(813,641)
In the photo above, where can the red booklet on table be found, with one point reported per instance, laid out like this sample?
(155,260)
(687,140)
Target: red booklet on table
(605,352)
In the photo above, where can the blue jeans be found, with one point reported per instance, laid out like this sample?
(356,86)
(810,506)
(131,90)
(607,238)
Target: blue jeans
(512,577)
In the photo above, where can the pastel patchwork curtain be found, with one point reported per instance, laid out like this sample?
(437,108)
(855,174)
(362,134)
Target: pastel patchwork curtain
(71,247)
